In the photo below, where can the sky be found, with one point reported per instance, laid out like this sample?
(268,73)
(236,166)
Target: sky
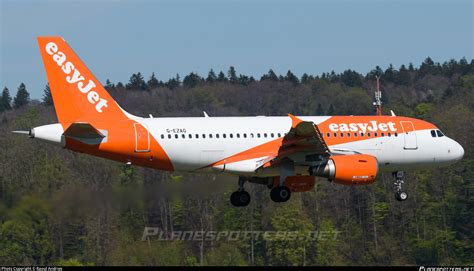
(118,38)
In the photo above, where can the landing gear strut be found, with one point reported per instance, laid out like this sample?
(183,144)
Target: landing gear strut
(281,193)
(240,198)
(399,176)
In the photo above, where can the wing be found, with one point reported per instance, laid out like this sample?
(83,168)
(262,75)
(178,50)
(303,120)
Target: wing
(303,137)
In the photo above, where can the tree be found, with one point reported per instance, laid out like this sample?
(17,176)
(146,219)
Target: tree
(232,75)
(5,100)
(270,76)
(153,82)
(221,77)
(290,77)
(109,85)
(47,98)
(331,110)
(319,110)
(137,82)
(22,97)
(211,76)
(191,80)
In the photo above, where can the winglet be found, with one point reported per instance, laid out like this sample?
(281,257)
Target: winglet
(294,121)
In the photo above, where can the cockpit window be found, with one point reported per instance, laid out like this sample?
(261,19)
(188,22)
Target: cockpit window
(433,133)
(439,133)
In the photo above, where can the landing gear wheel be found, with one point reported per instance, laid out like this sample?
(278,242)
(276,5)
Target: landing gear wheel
(240,198)
(401,196)
(280,194)
(399,180)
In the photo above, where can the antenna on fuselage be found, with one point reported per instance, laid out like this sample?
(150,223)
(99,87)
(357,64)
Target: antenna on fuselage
(378,98)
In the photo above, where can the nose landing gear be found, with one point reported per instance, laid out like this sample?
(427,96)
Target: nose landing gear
(399,176)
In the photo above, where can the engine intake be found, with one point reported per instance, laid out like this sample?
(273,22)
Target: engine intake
(356,169)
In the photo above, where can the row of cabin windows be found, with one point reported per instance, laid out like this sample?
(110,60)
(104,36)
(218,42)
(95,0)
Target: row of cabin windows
(237,135)
(436,133)
(272,135)
(375,134)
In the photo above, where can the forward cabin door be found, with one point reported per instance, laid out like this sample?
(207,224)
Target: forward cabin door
(409,135)
(142,138)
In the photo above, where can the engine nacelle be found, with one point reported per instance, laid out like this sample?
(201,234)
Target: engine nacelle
(296,183)
(355,169)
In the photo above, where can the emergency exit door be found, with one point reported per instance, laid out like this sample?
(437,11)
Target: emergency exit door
(142,138)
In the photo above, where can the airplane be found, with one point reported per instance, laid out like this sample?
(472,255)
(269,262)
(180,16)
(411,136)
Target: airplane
(285,153)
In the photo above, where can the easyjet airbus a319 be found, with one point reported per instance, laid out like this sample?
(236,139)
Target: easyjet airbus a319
(284,153)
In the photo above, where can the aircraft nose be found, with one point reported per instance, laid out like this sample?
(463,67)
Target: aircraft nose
(457,151)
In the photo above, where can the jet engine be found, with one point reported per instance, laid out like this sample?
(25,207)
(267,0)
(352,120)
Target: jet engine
(355,169)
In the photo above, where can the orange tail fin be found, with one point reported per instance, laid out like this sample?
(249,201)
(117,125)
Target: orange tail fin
(78,96)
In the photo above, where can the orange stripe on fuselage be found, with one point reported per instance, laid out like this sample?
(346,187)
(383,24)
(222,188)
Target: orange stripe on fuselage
(272,148)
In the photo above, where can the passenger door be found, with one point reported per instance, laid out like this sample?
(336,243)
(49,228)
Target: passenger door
(409,135)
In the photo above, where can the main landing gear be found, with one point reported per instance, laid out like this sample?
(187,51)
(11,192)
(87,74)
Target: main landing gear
(240,198)
(280,194)
(399,177)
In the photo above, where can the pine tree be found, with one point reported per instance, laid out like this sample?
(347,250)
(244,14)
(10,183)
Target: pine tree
(22,97)
(137,82)
(109,85)
(270,76)
(153,82)
(211,77)
(47,98)
(192,80)
(292,78)
(221,77)
(331,110)
(232,75)
(5,100)
(319,110)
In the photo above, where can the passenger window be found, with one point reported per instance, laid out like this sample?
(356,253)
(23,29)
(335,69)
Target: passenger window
(439,133)
(335,134)
(210,135)
(223,135)
(383,134)
(258,135)
(355,134)
(183,136)
(376,134)
(162,136)
(265,135)
(389,134)
(348,134)
(342,134)
(272,135)
(190,136)
(328,134)
(396,134)
(176,136)
(217,135)
(251,135)
(203,135)
(197,135)
(433,133)
(245,135)
(361,134)
(238,135)
(279,135)
(368,134)
(169,136)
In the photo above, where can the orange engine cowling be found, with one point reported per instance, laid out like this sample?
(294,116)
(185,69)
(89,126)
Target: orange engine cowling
(355,169)
(296,183)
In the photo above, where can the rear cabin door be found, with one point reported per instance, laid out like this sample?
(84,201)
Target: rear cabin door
(409,135)
(142,138)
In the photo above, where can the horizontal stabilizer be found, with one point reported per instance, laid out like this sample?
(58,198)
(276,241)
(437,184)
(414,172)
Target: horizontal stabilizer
(83,130)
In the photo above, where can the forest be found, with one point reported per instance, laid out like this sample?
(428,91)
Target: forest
(58,207)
